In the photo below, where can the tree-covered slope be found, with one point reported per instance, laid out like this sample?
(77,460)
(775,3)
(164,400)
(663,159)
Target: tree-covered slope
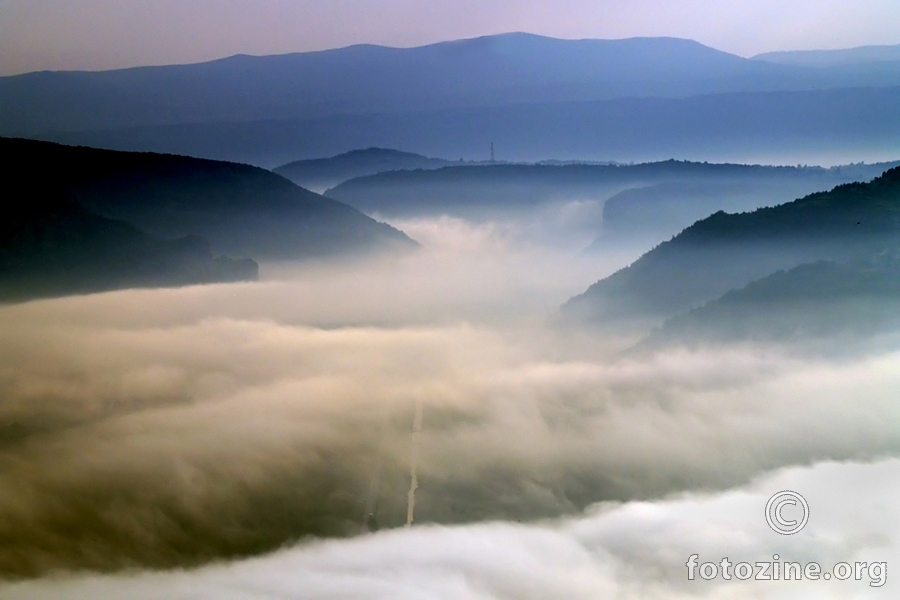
(241,210)
(50,246)
(725,251)
(813,302)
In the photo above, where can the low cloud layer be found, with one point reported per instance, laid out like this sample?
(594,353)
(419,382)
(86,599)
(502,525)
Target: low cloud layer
(170,428)
(175,444)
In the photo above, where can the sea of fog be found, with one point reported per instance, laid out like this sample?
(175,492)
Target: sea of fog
(255,440)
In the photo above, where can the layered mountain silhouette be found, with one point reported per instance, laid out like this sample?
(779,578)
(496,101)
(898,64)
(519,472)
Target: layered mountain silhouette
(50,246)
(323,173)
(242,211)
(851,223)
(534,96)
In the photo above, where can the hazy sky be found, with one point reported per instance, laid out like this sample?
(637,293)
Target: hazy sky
(101,34)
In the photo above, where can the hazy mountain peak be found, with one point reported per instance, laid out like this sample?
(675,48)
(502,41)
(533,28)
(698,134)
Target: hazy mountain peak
(375,151)
(828,58)
(319,174)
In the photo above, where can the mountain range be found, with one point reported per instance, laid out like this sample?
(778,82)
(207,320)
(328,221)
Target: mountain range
(534,96)
(498,70)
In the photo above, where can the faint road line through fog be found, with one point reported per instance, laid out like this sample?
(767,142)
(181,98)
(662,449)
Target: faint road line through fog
(413,464)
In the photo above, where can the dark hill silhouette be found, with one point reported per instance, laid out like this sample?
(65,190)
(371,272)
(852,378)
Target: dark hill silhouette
(243,211)
(323,173)
(50,246)
(725,251)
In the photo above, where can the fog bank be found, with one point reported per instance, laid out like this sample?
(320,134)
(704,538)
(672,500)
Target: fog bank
(171,428)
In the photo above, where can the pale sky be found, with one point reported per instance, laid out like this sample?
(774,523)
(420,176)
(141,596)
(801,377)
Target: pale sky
(104,34)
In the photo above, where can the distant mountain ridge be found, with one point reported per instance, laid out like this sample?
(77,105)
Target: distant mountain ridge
(831,58)
(499,70)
